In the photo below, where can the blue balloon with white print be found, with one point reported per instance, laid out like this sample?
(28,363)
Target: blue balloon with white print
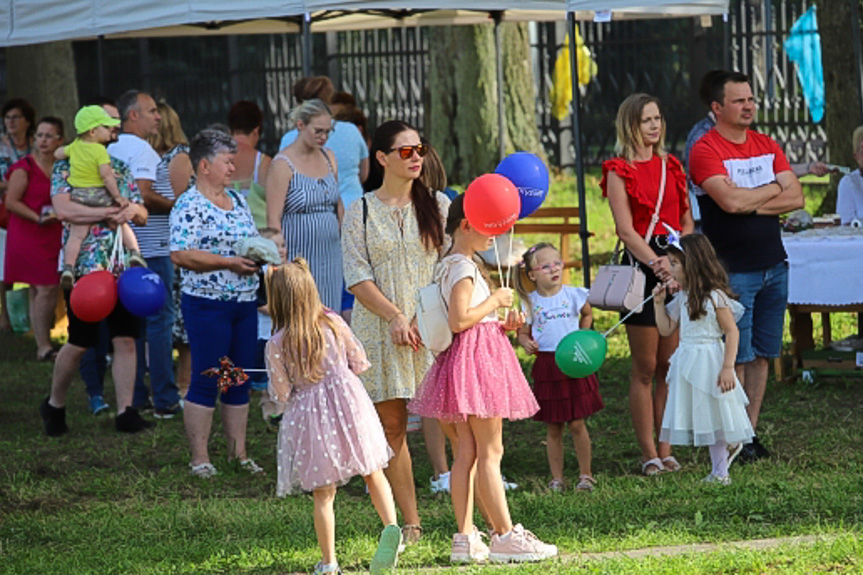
(141,291)
(529,175)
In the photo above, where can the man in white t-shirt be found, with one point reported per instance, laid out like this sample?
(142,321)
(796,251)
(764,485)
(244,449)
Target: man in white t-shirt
(140,118)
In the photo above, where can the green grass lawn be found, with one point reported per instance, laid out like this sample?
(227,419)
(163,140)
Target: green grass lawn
(97,502)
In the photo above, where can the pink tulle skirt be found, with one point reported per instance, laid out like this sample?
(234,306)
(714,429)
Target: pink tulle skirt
(478,375)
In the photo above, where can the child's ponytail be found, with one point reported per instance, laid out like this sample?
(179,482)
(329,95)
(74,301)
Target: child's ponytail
(522,281)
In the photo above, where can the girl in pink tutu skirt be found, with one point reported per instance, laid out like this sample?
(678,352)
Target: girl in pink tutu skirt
(554,310)
(474,384)
(330,431)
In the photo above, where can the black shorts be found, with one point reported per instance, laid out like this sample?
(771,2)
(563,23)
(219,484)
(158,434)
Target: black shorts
(121,323)
(647,316)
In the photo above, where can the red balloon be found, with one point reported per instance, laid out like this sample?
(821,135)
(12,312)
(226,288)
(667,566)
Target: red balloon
(94,296)
(492,204)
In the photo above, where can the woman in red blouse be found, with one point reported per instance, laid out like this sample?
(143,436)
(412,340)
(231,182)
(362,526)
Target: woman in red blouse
(631,182)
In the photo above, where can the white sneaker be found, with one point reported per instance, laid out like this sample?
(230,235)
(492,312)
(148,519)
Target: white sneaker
(508,485)
(468,548)
(518,546)
(441,484)
(717,479)
(205,470)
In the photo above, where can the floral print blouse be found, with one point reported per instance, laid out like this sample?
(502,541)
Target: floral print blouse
(96,248)
(199,224)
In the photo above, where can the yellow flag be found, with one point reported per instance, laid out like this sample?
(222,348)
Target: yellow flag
(561,83)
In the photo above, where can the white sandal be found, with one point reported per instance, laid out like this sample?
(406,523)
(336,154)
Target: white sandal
(250,466)
(656,463)
(670,464)
(585,483)
(205,470)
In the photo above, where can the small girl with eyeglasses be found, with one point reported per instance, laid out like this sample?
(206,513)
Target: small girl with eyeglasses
(554,310)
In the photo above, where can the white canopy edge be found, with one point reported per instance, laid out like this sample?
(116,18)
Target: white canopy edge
(36,21)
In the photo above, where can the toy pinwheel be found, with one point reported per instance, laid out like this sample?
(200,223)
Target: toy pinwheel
(229,375)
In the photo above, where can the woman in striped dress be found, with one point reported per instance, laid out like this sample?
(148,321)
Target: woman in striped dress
(303,200)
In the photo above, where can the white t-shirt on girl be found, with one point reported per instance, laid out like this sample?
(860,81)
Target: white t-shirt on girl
(460,267)
(551,318)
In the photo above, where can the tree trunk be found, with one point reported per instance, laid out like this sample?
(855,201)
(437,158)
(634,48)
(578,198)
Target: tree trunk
(461,112)
(841,90)
(44,74)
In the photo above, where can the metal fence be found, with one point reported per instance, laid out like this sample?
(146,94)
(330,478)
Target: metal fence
(667,58)
(386,71)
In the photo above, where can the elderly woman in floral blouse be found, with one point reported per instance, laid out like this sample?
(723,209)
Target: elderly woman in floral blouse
(219,294)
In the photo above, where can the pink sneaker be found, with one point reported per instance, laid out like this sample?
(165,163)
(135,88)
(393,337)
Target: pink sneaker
(468,548)
(520,545)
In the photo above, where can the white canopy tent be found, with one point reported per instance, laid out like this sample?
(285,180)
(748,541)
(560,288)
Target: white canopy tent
(36,21)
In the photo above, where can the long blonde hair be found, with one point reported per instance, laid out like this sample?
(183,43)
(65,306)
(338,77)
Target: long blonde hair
(296,308)
(170,133)
(628,126)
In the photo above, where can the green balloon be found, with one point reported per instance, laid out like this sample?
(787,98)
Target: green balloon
(581,353)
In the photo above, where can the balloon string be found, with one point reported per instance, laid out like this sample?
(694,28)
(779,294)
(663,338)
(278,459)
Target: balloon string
(499,270)
(509,254)
(626,317)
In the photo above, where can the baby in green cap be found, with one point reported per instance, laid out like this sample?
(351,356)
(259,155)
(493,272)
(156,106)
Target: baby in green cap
(93,184)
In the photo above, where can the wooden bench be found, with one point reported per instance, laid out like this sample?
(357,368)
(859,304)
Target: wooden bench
(563,222)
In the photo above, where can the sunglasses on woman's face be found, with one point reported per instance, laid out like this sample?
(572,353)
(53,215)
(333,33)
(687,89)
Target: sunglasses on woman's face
(405,152)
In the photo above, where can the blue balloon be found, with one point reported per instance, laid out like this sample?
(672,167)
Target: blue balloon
(529,175)
(141,291)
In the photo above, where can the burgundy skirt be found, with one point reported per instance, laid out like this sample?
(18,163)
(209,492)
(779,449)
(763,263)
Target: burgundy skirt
(562,398)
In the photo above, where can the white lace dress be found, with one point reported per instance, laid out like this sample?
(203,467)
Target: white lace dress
(697,412)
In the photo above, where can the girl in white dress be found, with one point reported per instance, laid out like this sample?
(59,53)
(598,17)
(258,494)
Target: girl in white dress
(706,404)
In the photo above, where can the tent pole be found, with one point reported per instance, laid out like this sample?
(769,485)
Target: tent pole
(307,44)
(579,156)
(501,105)
(100,62)
(858,61)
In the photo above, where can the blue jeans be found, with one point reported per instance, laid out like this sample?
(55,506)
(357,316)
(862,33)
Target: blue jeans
(259,379)
(764,294)
(217,329)
(94,364)
(160,347)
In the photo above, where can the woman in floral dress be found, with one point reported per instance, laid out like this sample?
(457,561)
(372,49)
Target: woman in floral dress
(391,240)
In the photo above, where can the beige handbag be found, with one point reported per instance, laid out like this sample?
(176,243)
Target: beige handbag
(619,286)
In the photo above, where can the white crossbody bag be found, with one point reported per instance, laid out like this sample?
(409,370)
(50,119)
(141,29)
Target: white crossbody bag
(433,312)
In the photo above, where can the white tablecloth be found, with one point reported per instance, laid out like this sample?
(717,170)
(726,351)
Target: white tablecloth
(825,266)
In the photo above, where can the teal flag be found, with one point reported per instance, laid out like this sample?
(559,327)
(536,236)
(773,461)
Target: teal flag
(803,47)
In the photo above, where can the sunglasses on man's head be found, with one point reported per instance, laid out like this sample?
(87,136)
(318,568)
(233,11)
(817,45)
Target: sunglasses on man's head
(406,152)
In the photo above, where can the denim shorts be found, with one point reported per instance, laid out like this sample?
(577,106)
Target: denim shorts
(764,294)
